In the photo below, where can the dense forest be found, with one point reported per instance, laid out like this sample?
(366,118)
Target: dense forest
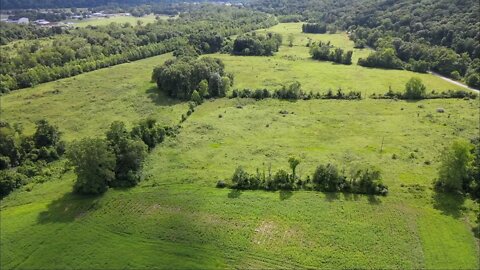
(85,49)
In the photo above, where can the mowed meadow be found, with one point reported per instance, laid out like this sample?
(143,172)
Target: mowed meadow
(176,218)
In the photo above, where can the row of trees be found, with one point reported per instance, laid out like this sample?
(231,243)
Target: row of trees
(187,77)
(41,73)
(327,52)
(415,89)
(315,28)
(24,156)
(326,178)
(384,58)
(115,161)
(293,91)
(257,44)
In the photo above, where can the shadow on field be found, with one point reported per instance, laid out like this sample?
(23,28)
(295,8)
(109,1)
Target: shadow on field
(234,193)
(449,204)
(333,196)
(160,98)
(285,194)
(68,208)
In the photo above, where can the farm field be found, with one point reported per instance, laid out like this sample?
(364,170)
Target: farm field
(115,19)
(176,212)
(176,218)
(86,104)
(294,63)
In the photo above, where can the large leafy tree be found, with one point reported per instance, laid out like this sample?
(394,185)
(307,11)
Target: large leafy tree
(456,164)
(94,164)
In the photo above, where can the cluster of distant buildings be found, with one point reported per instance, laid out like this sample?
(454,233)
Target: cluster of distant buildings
(40,22)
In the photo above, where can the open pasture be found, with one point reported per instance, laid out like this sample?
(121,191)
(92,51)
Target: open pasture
(294,64)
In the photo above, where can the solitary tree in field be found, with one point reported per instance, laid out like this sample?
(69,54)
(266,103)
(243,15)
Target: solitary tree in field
(415,89)
(456,163)
(291,39)
(293,161)
(94,165)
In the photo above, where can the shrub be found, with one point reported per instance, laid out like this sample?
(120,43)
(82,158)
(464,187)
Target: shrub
(327,178)
(10,180)
(415,89)
(149,132)
(282,181)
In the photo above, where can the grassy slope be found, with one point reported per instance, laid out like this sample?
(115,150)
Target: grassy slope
(86,104)
(116,19)
(294,64)
(176,219)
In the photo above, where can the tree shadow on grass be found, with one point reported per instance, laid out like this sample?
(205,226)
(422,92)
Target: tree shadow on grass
(449,204)
(351,196)
(234,193)
(160,98)
(331,196)
(68,208)
(285,194)
(372,199)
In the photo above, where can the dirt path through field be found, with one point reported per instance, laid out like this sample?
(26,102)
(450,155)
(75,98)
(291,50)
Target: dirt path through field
(452,81)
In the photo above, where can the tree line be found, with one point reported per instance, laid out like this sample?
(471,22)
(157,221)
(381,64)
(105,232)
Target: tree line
(324,51)
(294,91)
(315,28)
(23,157)
(325,178)
(416,90)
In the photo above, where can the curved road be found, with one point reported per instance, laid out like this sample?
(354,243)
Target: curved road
(454,82)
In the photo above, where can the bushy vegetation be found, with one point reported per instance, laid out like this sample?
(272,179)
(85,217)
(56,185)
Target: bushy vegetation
(116,161)
(326,52)
(315,28)
(180,77)
(383,59)
(459,170)
(257,44)
(326,178)
(23,157)
(415,90)
(294,91)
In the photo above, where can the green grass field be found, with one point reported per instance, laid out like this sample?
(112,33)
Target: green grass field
(115,19)
(294,63)
(87,104)
(177,219)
